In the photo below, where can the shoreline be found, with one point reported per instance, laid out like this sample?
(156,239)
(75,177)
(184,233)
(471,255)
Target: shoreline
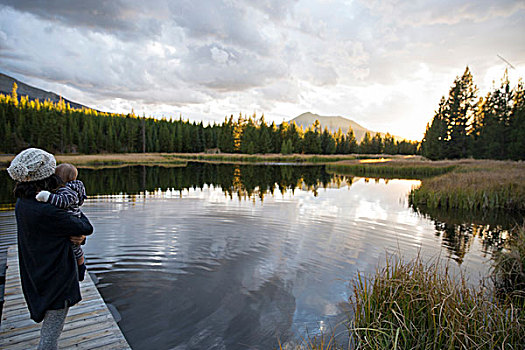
(123,159)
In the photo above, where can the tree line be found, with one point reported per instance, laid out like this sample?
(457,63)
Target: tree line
(59,128)
(488,127)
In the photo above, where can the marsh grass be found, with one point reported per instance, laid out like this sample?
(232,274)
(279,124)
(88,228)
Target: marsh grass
(263,158)
(481,186)
(466,184)
(413,305)
(508,271)
(391,169)
(319,342)
(183,158)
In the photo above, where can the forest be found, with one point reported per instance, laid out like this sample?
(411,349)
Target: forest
(59,128)
(490,127)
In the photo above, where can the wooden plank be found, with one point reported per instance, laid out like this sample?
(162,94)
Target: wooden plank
(89,324)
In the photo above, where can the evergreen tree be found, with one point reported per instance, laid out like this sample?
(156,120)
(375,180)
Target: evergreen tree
(264,137)
(434,142)
(517,125)
(351,141)
(376,146)
(287,147)
(312,142)
(460,110)
(366,144)
(328,145)
(492,127)
(389,145)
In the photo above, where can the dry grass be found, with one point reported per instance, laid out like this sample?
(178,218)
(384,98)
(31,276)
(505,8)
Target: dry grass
(462,184)
(509,266)
(411,166)
(93,160)
(412,305)
(118,159)
(475,185)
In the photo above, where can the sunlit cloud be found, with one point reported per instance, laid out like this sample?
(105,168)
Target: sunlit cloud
(384,64)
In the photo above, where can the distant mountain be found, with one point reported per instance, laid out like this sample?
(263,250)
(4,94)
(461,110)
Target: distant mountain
(334,123)
(6,86)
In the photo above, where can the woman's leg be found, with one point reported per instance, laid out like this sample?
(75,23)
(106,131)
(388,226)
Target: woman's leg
(51,329)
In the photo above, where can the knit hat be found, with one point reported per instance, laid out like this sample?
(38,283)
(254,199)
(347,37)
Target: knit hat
(32,164)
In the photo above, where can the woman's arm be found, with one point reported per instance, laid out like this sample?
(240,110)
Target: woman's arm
(59,222)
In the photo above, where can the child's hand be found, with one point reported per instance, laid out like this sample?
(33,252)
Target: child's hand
(77,239)
(43,196)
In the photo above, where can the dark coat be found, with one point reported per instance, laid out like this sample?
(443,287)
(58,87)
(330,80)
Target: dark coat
(48,268)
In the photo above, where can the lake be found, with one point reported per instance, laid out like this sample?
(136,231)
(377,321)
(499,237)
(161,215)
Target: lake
(243,256)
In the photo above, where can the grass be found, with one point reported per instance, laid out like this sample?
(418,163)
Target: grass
(321,342)
(509,266)
(477,185)
(97,160)
(412,305)
(414,167)
(108,160)
(264,158)
(461,184)
(418,305)
(466,184)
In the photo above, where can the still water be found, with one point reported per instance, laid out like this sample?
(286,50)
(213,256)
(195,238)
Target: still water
(242,257)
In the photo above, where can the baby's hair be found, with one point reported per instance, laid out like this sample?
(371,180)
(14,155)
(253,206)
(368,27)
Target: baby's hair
(67,172)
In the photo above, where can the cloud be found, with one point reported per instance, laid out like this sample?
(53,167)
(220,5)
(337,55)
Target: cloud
(368,60)
(129,20)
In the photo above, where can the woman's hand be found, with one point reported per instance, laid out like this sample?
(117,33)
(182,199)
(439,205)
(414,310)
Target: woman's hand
(77,239)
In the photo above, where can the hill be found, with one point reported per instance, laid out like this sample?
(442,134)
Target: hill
(333,123)
(6,86)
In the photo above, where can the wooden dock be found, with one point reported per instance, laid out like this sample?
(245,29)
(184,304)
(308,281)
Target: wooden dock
(89,324)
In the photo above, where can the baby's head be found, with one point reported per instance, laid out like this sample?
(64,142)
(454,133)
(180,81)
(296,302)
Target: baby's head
(67,172)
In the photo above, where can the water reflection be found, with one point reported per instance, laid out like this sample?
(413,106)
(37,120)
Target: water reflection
(246,181)
(459,228)
(205,271)
(240,256)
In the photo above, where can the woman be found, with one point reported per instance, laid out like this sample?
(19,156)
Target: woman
(48,268)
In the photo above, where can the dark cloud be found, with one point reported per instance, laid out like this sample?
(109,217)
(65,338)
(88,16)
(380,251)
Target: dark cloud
(227,22)
(328,55)
(228,69)
(119,17)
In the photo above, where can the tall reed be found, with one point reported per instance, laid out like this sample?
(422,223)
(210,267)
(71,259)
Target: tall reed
(509,266)
(475,189)
(413,305)
(390,169)
(262,158)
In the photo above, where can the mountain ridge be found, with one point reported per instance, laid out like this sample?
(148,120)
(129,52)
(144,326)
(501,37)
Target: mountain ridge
(33,93)
(333,123)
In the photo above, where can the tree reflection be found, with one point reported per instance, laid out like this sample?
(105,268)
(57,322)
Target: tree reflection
(458,229)
(243,181)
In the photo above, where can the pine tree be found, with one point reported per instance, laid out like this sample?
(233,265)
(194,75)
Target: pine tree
(328,145)
(492,130)
(351,141)
(460,110)
(389,145)
(366,144)
(517,125)
(376,146)
(312,141)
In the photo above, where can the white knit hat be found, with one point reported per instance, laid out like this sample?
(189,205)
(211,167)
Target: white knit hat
(32,164)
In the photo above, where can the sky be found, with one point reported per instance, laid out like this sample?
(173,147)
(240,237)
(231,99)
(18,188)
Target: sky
(384,64)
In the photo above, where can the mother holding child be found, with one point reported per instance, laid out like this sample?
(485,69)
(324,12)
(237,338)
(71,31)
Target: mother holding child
(50,230)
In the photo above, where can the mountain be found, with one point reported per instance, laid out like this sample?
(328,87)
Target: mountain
(6,86)
(334,123)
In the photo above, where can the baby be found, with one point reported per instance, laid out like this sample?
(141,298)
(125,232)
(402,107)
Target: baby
(69,197)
